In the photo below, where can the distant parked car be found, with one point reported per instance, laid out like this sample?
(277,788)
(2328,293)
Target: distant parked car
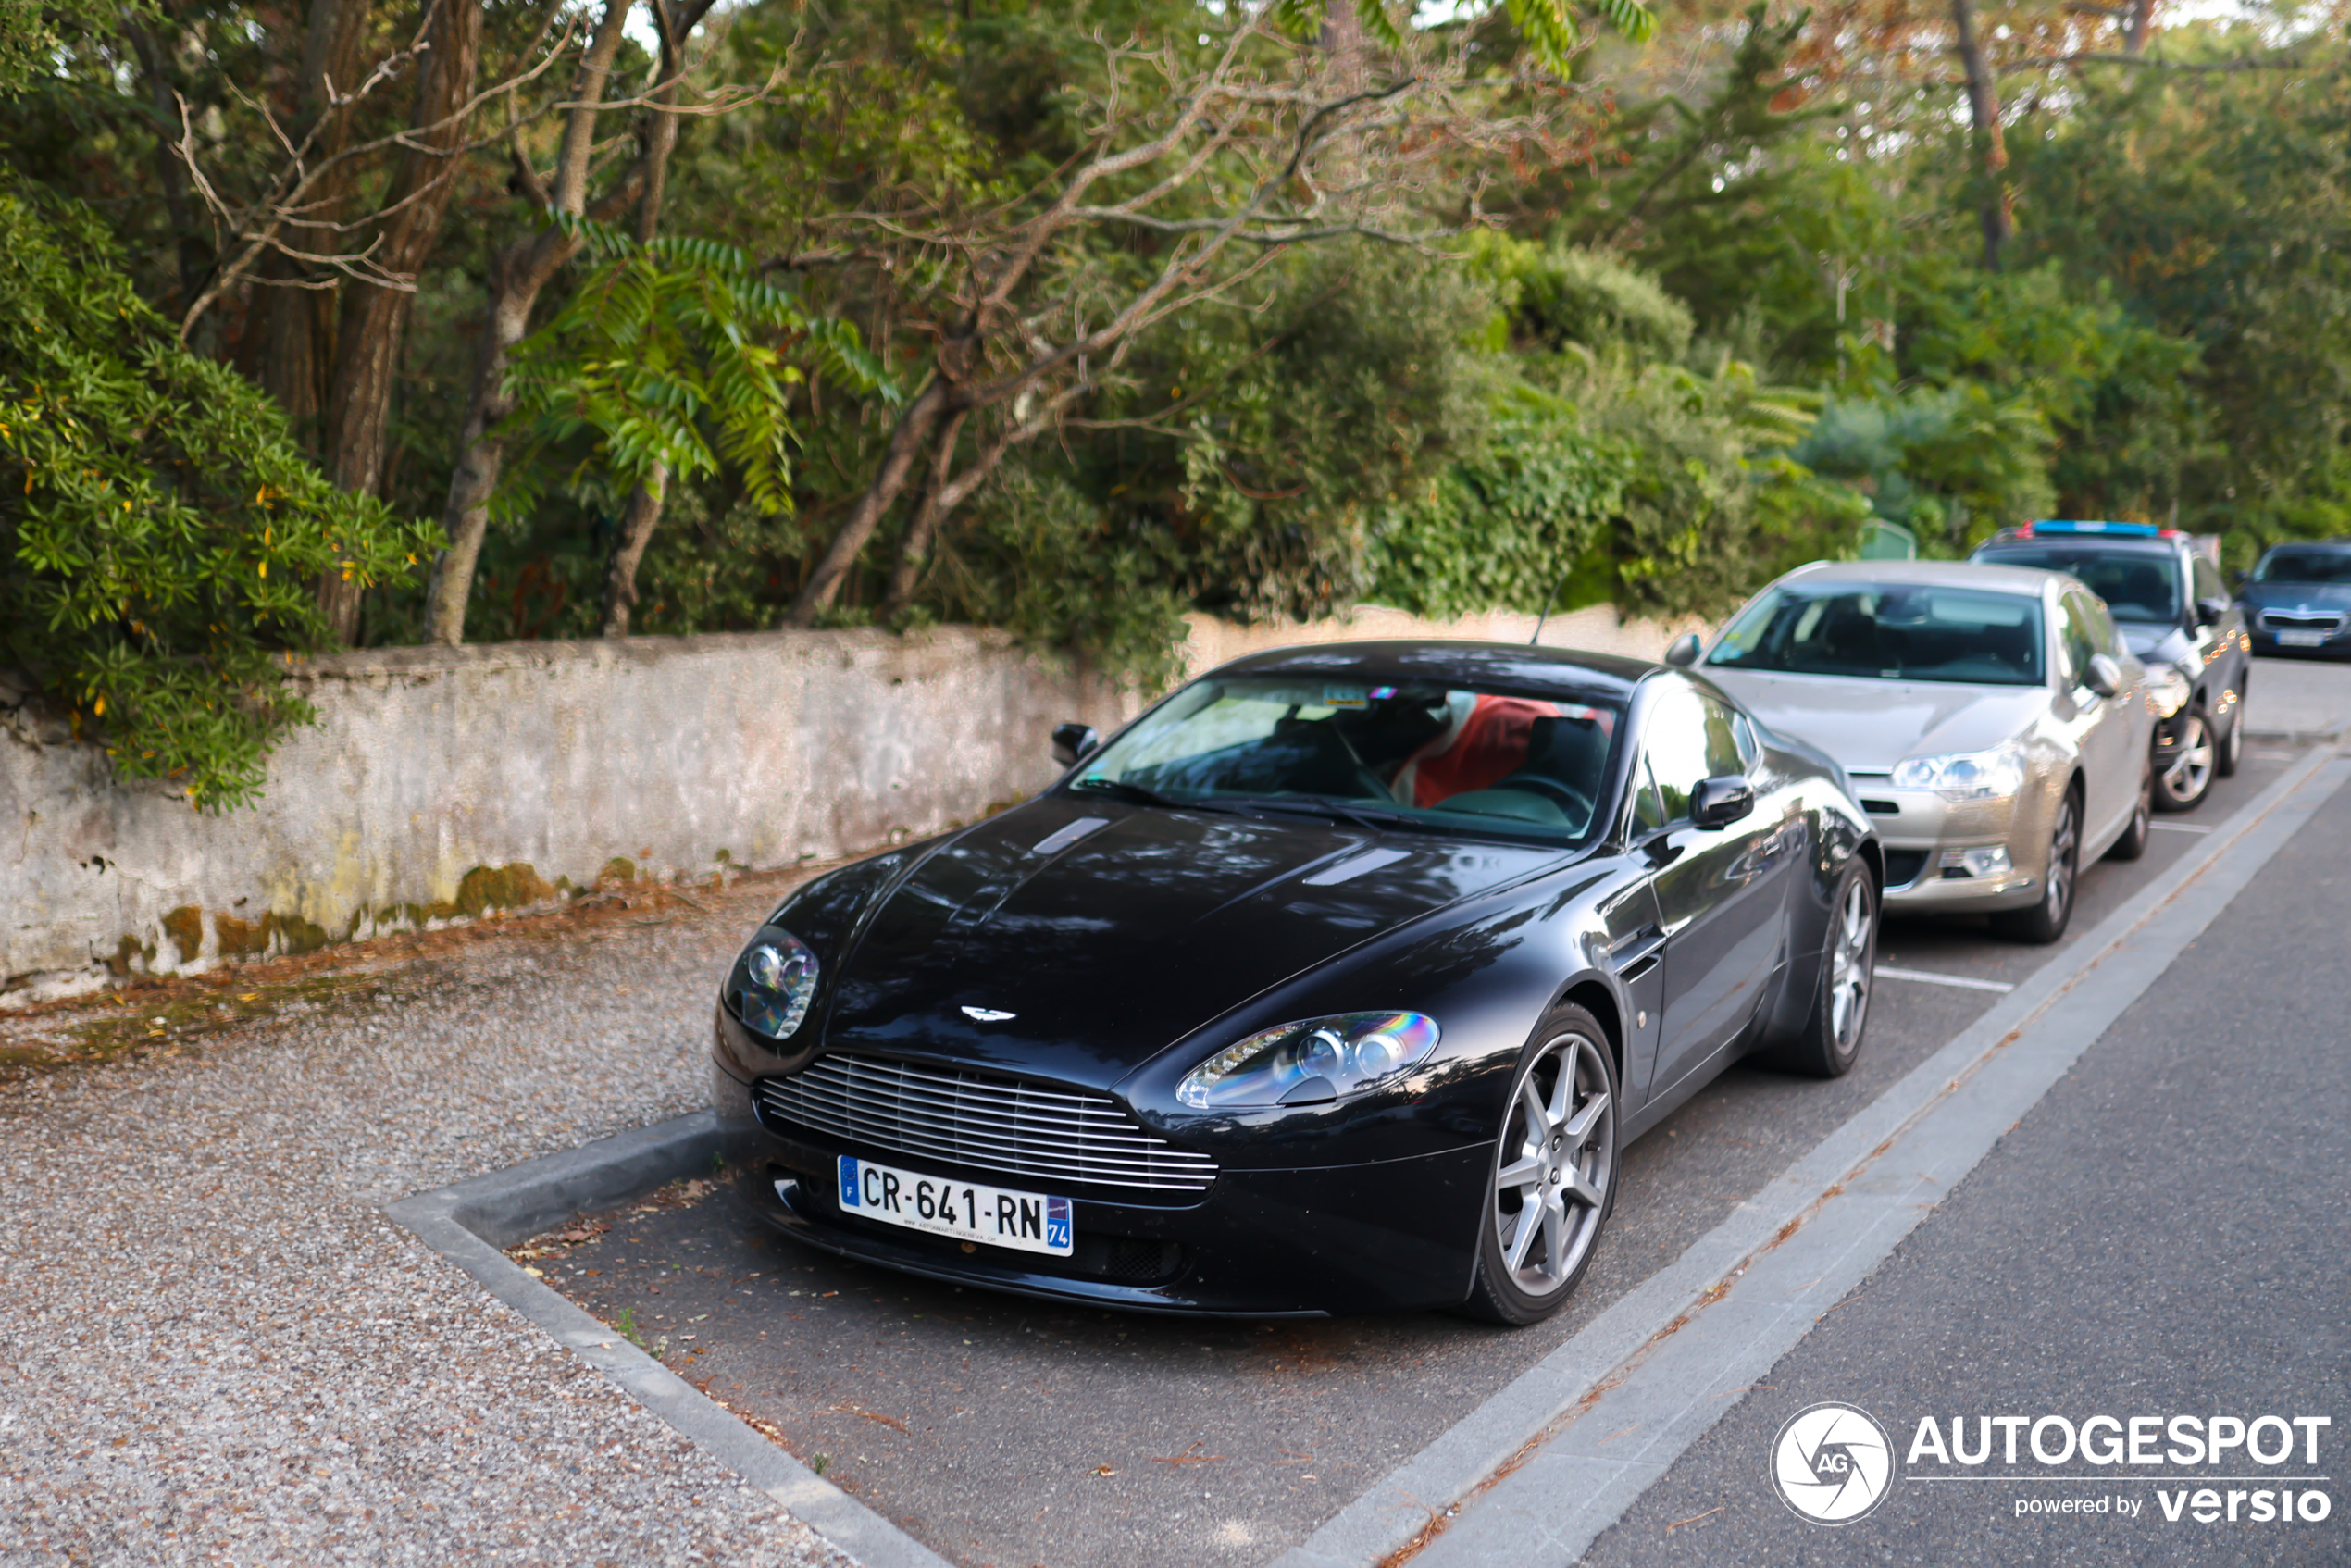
(2175,612)
(2298,598)
(1993,723)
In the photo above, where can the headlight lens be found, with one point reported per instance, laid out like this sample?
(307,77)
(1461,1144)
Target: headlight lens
(1306,1063)
(1966,776)
(774,983)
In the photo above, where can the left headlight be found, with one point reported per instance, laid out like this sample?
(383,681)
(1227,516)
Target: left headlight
(774,982)
(1306,1063)
(1966,776)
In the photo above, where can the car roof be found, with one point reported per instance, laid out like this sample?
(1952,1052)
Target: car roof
(2085,543)
(1538,671)
(1929,574)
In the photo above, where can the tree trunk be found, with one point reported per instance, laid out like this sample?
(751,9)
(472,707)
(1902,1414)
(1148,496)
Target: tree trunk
(916,547)
(636,531)
(2134,26)
(374,320)
(294,345)
(643,511)
(906,442)
(1991,147)
(518,276)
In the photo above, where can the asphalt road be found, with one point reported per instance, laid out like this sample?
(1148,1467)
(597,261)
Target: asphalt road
(2163,1234)
(1012,1433)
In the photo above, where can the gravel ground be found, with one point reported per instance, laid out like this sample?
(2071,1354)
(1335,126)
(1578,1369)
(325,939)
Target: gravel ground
(215,1347)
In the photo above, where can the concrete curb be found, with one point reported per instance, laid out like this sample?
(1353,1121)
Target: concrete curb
(469,1222)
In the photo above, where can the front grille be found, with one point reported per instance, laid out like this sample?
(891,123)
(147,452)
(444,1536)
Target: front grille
(2301,621)
(1903,866)
(983,1122)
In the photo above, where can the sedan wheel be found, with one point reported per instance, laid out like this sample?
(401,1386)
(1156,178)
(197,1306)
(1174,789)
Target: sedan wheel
(1554,1175)
(2182,781)
(2046,921)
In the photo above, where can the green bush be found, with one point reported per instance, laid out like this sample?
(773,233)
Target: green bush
(160,536)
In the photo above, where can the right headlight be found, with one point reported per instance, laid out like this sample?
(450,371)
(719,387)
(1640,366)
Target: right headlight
(2168,690)
(1966,776)
(1306,1063)
(773,983)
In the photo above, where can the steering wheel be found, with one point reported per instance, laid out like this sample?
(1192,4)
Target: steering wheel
(1577,805)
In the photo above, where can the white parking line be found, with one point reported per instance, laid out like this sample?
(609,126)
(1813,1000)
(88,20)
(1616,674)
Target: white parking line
(2183,827)
(1929,978)
(1524,1478)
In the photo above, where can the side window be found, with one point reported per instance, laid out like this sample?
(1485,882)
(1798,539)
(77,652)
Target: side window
(2102,632)
(1649,812)
(2078,637)
(2208,580)
(1751,743)
(1689,738)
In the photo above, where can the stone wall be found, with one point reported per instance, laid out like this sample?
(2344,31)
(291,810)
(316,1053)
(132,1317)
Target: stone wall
(442,783)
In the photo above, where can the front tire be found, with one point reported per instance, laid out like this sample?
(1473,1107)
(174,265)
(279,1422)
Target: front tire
(2047,920)
(1831,1041)
(2186,777)
(2134,842)
(1554,1181)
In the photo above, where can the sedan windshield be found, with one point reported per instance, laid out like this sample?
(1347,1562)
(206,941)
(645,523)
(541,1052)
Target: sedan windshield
(1889,631)
(2137,585)
(2324,567)
(1415,755)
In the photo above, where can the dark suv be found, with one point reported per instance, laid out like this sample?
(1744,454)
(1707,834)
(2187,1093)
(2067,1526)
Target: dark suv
(2298,598)
(2174,611)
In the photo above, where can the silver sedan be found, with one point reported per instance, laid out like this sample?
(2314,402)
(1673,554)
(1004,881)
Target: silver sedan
(1991,720)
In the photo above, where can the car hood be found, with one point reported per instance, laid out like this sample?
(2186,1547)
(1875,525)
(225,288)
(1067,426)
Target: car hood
(1104,933)
(1867,725)
(2296,595)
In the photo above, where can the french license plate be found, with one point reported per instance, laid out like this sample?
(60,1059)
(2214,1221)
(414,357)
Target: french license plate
(2301,638)
(1028,1222)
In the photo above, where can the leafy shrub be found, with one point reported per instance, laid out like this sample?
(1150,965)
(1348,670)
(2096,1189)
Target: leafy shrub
(160,536)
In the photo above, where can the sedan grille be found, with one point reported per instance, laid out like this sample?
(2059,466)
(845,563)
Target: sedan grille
(990,1124)
(2301,621)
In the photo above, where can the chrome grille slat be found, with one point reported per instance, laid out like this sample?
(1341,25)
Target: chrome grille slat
(982,1121)
(2301,621)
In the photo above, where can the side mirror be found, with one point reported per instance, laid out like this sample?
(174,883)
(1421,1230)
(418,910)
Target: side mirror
(1685,651)
(1072,744)
(2104,676)
(1718,803)
(2209,611)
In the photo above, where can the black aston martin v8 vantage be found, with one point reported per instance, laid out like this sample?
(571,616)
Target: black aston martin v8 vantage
(1335,982)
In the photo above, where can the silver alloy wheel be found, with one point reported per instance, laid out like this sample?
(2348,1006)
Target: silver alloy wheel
(1850,967)
(1552,1169)
(2191,770)
(2063,844)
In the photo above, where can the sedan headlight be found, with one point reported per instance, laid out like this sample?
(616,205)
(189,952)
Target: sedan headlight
(1966,776)
(1302,1064)
(774,983)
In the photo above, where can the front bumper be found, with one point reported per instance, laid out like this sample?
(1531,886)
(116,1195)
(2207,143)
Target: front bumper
(1389,1234)
(1920,831)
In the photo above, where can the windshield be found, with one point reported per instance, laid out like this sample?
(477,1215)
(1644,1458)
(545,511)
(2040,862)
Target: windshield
(2137,585)
(1889,631)
(2305,566)
(1412,755)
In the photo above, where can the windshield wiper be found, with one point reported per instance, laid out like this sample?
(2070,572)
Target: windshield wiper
(1323,805)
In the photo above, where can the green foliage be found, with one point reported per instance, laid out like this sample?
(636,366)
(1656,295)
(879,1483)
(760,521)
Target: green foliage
(160,534)
(673,354)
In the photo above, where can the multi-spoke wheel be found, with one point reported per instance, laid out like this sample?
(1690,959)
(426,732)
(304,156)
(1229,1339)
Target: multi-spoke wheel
(1554,1172)
(2047,920)
(1831,1039)
(2183,770)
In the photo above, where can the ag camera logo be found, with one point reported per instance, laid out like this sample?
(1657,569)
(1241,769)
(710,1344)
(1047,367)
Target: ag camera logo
(1832,1463)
